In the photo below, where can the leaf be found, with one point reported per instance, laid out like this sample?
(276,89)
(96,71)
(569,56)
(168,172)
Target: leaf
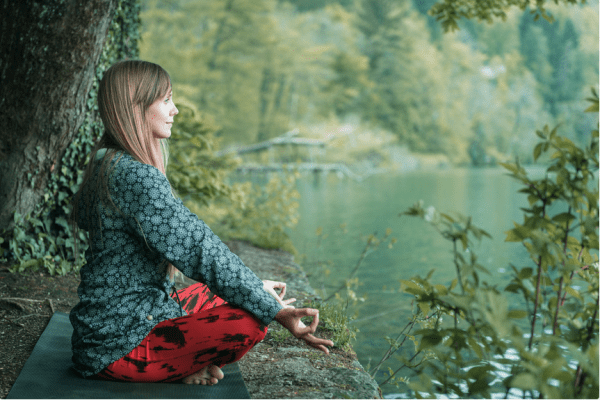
(412,288)
(574,293)
(517,234)
(563,217)
(511,167)
(441,289)
(525,273)
(513,288)
(453,283)
(425,308)
(537,151)
(524,381)
(430,340)
(475,346)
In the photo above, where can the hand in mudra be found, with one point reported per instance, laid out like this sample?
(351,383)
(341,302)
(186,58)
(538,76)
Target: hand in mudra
(290,318)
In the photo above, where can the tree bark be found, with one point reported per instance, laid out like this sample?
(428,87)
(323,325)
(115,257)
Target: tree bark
(49,51)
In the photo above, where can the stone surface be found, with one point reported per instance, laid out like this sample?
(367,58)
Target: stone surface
(282,366)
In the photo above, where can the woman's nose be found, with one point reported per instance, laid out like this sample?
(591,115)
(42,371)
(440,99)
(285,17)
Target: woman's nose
(174,111)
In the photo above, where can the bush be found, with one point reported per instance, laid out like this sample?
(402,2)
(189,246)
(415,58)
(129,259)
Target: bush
(538,336)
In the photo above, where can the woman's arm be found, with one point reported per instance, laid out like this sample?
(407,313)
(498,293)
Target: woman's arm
(172,231)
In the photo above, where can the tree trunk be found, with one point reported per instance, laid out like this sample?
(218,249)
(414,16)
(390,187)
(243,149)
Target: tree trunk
(49,51)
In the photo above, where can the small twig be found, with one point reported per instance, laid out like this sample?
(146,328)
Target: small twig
(13,322)
(51,306)
(19,298)
(389,352)
(356,267)
(398,370)
(30,315)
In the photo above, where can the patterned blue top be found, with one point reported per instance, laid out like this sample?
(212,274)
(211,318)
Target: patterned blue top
(124,289)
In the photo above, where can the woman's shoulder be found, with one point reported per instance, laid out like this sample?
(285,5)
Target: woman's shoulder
(125,163)
(128,172)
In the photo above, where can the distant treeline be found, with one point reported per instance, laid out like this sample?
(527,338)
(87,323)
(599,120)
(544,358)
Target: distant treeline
(259,68)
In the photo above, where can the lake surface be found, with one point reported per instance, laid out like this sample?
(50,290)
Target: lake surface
(372,205)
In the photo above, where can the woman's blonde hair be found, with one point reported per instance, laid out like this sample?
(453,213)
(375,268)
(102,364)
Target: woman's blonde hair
(127,90)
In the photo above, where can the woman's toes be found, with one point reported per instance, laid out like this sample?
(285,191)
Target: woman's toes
(206,376)
(216,373)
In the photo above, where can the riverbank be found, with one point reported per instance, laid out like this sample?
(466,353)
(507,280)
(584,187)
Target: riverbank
(278,367)
(287,368)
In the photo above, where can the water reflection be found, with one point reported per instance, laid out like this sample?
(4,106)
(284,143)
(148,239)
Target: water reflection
(373,205)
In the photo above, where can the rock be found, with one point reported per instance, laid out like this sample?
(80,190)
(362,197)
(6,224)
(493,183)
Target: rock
(284,367)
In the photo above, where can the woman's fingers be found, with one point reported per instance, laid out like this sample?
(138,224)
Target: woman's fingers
(318,343)
(275,285)
(307,312)
(289,301)
(282,286)
(291,318)
(315,322)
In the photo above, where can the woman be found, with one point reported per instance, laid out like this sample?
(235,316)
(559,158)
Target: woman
(127,326)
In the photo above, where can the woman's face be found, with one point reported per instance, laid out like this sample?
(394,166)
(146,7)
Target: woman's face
(161,114)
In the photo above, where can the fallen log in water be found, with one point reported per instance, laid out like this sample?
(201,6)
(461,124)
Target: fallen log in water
(311,167)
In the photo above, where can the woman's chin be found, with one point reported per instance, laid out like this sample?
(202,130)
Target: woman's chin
(165,135)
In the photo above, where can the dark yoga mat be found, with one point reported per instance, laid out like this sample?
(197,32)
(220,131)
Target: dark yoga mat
(47,374)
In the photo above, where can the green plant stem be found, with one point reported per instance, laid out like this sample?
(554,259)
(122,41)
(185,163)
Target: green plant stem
(398,370)
(356,267)
(560,285)
(580,375)
(555,324)
(462,288)
(579,378)
(537,299)
(539,280)
(389,352)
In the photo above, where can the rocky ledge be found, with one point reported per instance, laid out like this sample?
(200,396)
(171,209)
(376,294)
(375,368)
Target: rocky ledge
(282,366)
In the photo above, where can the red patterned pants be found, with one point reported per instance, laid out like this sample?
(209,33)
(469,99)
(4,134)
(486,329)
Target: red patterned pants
(213,332)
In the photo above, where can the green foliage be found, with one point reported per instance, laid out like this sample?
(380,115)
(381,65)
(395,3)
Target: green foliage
(222,55)
(280,335)
(449,11)
(258,214)
(261,68)
(194,171)
(44,239)
(335,319)
(540,334)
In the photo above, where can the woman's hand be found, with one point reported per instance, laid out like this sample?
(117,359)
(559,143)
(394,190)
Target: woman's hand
(290,319)
(270,286)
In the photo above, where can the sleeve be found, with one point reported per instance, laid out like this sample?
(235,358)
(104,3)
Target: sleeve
(143,195)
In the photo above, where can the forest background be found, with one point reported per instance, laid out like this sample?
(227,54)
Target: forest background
(378,78)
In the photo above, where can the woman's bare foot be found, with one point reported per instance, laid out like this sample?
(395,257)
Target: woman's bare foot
(209,375)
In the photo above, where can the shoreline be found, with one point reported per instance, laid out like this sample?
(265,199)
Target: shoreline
(284,367)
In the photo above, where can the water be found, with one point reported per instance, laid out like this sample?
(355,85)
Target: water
(488,195)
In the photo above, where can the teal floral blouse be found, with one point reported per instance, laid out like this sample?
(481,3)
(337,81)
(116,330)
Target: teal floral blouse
(124,289)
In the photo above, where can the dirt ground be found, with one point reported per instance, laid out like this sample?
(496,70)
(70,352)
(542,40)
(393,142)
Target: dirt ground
(27,303)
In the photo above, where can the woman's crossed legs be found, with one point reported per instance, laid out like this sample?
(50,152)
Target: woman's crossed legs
(192,347)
